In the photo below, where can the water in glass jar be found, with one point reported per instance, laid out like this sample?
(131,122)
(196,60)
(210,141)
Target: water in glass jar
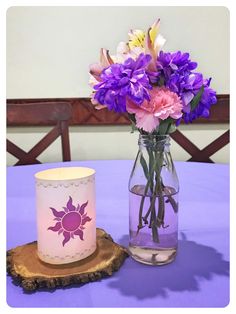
(142,247)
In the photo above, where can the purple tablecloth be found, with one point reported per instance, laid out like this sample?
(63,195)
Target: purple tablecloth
(199,277)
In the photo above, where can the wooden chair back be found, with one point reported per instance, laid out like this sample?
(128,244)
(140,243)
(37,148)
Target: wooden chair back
(83,113)
(197,154)
(32,114)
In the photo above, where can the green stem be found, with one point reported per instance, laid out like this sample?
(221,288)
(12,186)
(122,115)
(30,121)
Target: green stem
(172,201)
(140,224)
(161,207)
(151,171)
(161,203)
(157,192)
(145,218)
(156,187)
(151,174)
(149,184)
(153,224)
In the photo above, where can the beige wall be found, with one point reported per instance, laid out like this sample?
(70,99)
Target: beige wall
(49,50)
(113,142)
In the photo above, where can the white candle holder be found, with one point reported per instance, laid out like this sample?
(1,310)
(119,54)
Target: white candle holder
(66,219)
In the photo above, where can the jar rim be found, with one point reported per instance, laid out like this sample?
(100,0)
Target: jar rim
(153,139)
(151,136)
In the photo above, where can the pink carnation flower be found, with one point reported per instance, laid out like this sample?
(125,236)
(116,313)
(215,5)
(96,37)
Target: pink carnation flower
(163,104)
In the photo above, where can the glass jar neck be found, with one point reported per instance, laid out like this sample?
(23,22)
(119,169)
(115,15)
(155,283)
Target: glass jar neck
(154,142)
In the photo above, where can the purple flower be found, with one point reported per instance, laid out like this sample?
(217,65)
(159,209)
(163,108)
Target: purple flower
(177,61)
(186,86)
(203,108)
(176,72)
(121,80)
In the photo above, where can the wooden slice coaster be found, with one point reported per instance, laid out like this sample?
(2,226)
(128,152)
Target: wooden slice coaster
(31,273)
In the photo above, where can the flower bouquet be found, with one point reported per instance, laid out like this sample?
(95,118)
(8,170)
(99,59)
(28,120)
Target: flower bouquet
(157,90)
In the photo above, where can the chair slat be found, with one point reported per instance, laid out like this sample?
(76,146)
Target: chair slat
(33,114)
(212,148)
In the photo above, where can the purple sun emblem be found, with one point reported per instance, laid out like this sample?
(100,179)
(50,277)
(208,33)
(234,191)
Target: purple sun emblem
(71,221)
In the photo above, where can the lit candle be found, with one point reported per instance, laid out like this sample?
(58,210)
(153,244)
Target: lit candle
(66,219)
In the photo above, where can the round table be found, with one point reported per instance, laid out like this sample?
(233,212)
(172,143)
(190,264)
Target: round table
(199,277)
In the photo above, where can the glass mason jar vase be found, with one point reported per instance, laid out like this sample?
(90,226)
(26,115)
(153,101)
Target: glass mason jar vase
(153,202)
